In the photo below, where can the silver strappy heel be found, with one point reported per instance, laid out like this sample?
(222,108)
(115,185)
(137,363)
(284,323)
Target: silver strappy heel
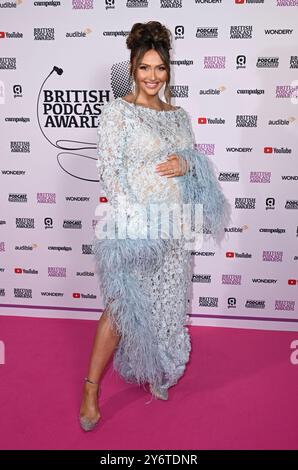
(159,392)
(86,423)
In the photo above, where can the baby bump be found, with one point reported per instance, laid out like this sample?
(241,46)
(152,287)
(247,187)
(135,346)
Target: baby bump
(148,186)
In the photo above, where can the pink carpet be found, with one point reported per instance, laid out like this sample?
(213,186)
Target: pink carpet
(239,391)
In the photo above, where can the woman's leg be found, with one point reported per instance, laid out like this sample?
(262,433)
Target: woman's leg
(104,344)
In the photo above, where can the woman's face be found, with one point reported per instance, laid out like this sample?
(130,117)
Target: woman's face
(151,74)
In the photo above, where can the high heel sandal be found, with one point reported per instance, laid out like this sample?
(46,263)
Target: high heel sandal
(159,392)
(86,423)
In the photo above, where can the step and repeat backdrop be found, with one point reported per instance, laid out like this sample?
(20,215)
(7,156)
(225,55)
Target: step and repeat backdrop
(234,69)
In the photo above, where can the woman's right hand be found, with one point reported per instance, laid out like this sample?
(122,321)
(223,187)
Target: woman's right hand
(174,166)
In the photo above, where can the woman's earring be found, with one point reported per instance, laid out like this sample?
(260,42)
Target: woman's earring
(163,91)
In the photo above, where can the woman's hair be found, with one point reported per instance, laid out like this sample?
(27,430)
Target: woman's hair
(146,36)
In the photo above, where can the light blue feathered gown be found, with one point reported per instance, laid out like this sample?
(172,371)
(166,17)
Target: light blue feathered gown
(145,282)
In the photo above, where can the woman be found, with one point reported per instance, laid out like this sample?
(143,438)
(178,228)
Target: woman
(146,155)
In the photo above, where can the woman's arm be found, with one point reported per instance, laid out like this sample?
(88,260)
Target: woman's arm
(200,185)
(111,151)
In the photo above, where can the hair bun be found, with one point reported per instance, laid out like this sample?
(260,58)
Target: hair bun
(152,32)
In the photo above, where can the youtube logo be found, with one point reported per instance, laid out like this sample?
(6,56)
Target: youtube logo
(268,149)
(202,120)
(230,254)
(76,295)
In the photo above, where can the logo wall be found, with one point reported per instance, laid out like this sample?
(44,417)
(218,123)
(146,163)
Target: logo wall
(234,70)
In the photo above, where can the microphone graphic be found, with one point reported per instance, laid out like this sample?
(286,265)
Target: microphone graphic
(58,70)
(56,144)
(119,88)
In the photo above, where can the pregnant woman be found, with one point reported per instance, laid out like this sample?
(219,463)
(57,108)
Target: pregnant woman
(146,155)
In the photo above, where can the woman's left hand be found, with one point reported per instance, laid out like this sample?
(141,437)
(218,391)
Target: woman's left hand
(174,166)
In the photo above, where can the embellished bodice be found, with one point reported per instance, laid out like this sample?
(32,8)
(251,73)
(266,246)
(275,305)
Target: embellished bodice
(139,138)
